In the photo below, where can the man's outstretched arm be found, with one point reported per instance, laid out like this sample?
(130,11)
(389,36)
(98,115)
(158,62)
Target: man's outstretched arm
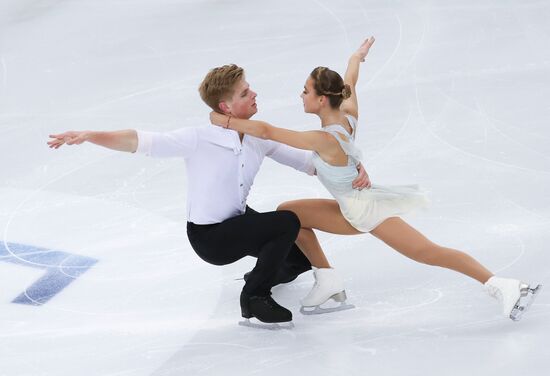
(125,140)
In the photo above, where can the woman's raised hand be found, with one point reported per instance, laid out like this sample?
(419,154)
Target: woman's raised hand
(69,138)
(364,49)
(218,119)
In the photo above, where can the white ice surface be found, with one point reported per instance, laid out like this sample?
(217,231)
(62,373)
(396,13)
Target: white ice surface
(454,96)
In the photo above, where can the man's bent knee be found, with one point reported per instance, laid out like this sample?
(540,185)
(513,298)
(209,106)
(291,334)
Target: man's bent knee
(291,218)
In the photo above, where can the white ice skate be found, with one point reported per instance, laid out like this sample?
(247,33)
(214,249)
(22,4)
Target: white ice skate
(328,285)
(514,295)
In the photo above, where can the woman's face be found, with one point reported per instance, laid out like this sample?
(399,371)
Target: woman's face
(312,101)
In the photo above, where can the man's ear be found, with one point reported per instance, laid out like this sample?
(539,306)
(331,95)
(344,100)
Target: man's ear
(224,108)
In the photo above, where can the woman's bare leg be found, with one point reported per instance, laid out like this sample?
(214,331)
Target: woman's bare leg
(309,245)
(325,215)
(405,239)
(320,214)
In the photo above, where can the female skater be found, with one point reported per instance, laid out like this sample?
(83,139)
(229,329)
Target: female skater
(376,210)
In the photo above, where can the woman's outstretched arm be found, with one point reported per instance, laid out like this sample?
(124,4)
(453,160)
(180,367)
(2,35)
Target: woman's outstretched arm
(307,140)
(350,105)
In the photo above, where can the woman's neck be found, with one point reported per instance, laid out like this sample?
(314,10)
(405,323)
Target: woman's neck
(330,116)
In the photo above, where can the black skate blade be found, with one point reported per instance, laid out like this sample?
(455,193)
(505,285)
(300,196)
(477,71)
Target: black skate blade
(318,310)
(524,303)
(267,326)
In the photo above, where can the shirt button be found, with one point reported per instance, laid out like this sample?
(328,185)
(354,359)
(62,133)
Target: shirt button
(242,165)
(241,185)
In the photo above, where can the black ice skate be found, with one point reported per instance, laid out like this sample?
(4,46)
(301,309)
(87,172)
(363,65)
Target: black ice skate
(266,310)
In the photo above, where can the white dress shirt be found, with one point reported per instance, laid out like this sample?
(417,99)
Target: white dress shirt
(220,169)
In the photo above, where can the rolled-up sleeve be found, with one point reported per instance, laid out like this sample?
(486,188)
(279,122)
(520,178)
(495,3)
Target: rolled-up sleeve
(179,143)
(299,159)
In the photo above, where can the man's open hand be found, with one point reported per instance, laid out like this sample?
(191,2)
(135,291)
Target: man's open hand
(69,138)
(362,180)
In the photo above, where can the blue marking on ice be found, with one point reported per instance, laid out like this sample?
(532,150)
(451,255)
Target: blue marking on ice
(62,268)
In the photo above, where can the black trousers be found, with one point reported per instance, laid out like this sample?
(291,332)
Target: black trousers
(267,236)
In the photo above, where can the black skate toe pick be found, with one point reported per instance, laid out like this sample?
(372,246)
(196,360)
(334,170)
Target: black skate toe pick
(264,308)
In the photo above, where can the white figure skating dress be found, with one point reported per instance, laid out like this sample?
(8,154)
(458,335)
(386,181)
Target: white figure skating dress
(367,208)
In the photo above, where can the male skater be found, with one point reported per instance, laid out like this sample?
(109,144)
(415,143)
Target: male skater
(221,166)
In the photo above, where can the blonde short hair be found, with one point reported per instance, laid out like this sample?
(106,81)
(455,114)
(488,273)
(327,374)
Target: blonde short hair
(219,84)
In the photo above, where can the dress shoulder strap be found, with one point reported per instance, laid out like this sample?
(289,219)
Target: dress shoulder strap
(345,142)
(353,123)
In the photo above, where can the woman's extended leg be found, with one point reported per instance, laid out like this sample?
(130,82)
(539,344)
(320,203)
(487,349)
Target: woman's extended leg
(405,239)
(325,215)
(514,295)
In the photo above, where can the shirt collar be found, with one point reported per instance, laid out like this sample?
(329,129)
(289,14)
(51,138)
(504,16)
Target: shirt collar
(223,137)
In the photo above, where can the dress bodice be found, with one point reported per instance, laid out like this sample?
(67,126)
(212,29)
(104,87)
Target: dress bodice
(338,179)
(363,209)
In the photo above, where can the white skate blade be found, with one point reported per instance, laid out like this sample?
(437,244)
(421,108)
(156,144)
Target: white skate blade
(318,310)
(526,299)
(267,326)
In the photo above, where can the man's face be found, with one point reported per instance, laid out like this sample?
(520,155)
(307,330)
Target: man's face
(243,102)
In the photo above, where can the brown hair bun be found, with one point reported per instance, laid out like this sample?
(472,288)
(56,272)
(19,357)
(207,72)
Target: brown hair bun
(346,91)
